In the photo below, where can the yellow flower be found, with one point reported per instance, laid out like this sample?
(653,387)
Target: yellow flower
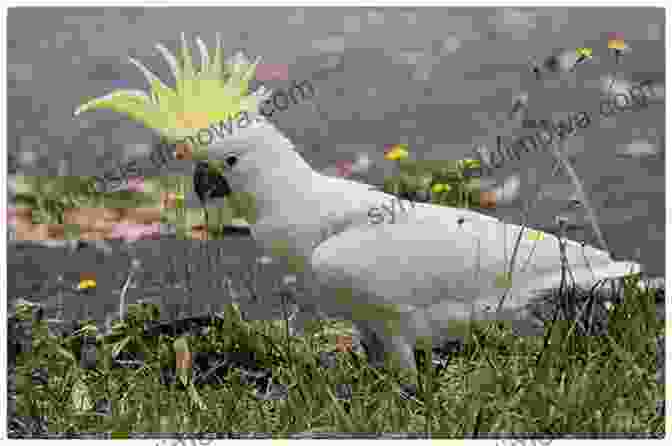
(584,52)
(217,92)
(468,163)
(396,152)
(438,188)
(535,235)
(616,42)
(86,284)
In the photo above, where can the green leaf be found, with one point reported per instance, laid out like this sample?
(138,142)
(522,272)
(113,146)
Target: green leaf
(81,400)
(72,232)
(342,415)
(503,280)
(436,167)
(119,435)
(244,206)
(181,344)
(392,185)
(119,346)
(25,200)
(192,217)
(195,397)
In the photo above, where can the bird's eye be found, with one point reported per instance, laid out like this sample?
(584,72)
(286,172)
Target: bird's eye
(231,160)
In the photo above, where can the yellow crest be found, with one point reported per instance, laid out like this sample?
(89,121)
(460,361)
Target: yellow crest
(216,92)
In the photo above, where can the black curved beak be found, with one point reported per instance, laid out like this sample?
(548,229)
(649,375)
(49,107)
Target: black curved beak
(209,184)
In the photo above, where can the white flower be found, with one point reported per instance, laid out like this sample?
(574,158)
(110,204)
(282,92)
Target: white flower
(362,164)
(264,260)
(509,191)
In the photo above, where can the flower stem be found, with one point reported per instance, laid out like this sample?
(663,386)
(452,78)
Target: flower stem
(122,296)
(562,157)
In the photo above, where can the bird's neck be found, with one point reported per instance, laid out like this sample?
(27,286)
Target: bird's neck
(290,181)
(282,188)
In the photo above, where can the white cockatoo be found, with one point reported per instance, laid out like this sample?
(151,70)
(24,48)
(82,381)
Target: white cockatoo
(432,265)
(399,280)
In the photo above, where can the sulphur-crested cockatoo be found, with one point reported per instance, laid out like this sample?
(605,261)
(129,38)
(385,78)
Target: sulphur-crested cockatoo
(399,271)
(431,265)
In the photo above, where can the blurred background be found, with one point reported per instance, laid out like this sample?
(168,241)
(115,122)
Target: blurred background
(441,80)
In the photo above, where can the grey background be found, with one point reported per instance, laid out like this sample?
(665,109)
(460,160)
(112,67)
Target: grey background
(439,79)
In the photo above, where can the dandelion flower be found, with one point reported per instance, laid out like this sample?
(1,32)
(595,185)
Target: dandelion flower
(617,45)
(469,163)
(438,188)
(396,152)
(616,42)
(584,52)
(86,285)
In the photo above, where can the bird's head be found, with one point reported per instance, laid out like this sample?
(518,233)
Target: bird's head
(212,111)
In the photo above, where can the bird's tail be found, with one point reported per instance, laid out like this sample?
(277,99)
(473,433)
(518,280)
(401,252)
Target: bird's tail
(582,276)
(525,301)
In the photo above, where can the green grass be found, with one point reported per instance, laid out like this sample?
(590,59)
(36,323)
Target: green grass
(500,383)
(558,384)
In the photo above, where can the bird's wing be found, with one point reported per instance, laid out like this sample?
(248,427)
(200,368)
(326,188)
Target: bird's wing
(432,257)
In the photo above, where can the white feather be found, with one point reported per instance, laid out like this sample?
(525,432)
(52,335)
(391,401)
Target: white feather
(137,93)
(205,57)
(170,59)
(149,76)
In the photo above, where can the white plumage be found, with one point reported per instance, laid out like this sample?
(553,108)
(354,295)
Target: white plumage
(396,281)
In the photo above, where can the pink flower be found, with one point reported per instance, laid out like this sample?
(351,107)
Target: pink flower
(269,72)
(136,184)
(134,232)
(11,216)
(615,36)
(344,168)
